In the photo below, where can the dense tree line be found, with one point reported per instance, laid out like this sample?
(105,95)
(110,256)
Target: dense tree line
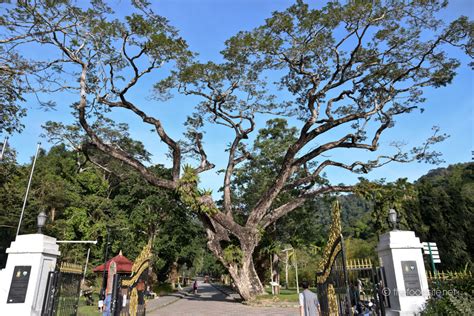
(81,199)
(83,202)
(443,212)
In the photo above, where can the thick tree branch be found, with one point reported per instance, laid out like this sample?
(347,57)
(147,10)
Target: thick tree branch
(205,164)
(281,211)
(109,149)
(174,146)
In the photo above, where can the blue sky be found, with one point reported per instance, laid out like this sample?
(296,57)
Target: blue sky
(205,25)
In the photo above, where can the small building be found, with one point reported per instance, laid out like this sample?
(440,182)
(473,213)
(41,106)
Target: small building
(124,265)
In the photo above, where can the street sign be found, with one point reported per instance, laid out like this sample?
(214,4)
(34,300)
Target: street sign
(427,246)
(431,249)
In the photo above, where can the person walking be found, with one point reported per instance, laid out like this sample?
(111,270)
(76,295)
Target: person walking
(309,304)
(195,287)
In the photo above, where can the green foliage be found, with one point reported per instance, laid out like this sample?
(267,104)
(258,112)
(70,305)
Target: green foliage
(443,213)
(209,266)
(385,196)
(254,177)
(285,295)
(461,304)
(233,254)
(453,297)
(190,194)
(438,207)
(12,90)
(162,288)
(81,200)
(354,66)
(361,249)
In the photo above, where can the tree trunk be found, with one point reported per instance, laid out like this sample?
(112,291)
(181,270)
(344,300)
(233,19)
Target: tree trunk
(276,272)
(245,278)
(174,275)
(243,272)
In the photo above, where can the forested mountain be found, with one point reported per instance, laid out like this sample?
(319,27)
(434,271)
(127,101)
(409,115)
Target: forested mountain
(443,212)
(439,207)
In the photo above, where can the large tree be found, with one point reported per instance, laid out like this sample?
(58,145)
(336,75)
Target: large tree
(345,73)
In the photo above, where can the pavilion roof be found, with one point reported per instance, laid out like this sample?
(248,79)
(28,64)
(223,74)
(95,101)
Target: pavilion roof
(124,265)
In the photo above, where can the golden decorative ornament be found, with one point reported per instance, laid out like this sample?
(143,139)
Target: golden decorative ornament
(132,309)
(139,265)
(332,300)
(333,247)
(70,268)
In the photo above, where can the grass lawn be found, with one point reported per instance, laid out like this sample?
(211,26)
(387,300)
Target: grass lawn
(87,311)
(285,295)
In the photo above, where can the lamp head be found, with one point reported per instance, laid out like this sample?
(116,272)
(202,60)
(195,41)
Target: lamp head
(392,218)
(41,221)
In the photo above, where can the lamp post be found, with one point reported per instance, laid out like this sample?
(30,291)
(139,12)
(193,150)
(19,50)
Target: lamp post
(28,189)
(40,221)
(296,272)
(286,265)
(106,254)
(392,219)
(3,148)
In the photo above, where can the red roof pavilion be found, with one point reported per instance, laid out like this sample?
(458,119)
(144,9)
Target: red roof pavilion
(124,265)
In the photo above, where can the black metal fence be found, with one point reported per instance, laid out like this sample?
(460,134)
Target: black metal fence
(128,300)
(366,287)
(62,291)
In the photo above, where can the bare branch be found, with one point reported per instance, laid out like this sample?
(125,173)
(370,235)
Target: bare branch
(174,146)
(109,149)
(205,164)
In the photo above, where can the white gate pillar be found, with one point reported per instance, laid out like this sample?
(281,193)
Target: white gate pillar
(23,281)
(400,253)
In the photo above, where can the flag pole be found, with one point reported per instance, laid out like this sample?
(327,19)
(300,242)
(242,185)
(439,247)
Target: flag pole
(3,147)
(28,189)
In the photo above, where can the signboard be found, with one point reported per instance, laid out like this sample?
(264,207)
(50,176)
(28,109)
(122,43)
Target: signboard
(19,285)
(411,278)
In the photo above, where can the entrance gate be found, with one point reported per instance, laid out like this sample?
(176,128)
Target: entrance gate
(128,294)
(339,282)
(331,278)
(62,291)
(366,284)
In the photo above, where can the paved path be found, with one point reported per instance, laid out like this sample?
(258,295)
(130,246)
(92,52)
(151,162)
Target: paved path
(211,302)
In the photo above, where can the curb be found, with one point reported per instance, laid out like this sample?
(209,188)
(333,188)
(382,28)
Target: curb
(278,305)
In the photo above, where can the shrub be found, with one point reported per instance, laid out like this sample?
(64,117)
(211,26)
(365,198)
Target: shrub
(450,297)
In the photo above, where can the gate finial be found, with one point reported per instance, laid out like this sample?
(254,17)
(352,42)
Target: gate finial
(333,247)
